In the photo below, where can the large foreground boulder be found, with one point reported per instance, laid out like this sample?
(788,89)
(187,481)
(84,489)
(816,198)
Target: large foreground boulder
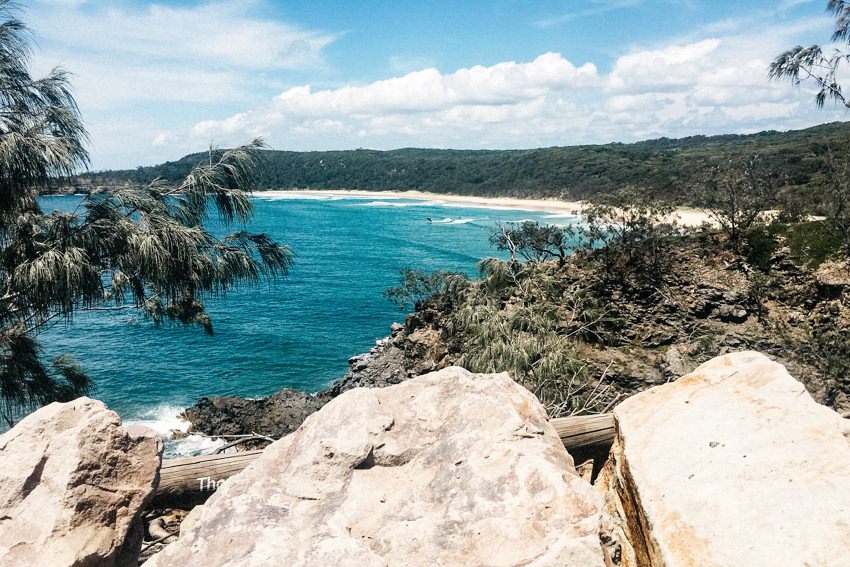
(733,464)
(73,484)
(450,468)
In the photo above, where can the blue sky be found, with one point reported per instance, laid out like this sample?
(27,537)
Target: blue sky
(158,80)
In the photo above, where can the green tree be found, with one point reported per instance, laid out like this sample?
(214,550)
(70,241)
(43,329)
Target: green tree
(811,64)
(138,248)
(737,193)
(836,198)
(629,234)
(416,285)
(533,241)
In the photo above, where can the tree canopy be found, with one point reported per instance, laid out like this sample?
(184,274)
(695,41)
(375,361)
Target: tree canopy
(812,64)
(800,64)
(665,167)
(144,248)
(533,241)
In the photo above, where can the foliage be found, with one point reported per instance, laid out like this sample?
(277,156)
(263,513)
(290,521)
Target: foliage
(811,64)
(137,248)
(836,194)
(533,241)
(416,285)
(632,233)
(830,343)
(757,292)
(737,194)
(813,243)
(664,167)
(526,319)
(760,245)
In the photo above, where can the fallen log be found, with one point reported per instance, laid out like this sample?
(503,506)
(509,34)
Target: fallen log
(585,430)
(191,480)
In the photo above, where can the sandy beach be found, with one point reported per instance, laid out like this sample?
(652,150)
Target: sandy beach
(685,216)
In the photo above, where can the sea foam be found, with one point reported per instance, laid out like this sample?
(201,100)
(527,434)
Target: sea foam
(454,221)
(165,420)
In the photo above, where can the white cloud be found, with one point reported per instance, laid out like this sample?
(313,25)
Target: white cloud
(426,100)
(672,67)
(428,90)
(166,67)
(708,85)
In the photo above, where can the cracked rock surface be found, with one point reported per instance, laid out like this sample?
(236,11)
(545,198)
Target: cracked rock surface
(450,468)
(733,464)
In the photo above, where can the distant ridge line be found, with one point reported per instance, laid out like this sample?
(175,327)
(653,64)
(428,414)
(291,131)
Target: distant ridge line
(665,167)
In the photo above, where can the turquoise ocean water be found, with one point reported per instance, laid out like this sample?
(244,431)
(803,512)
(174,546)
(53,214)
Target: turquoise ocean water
(297,332)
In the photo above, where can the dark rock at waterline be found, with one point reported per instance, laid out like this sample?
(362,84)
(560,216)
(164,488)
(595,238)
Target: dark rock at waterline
(275,416)
(402,355)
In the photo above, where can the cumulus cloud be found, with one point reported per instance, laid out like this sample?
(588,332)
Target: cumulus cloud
(139,70)
(160,81)
(706,85)
(422,100)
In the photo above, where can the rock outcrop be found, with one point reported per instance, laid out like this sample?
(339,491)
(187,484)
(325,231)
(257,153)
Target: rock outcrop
(449,468)
(278,415)
(733,464)
(73,484)
(400,356)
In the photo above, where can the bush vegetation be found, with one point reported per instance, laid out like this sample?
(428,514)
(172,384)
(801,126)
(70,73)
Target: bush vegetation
(666,168)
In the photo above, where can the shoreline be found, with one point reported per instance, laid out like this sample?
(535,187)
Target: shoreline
(685,216)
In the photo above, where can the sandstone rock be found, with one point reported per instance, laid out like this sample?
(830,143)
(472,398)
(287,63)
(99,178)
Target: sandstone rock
(675,361)
(385,364)
(733,464)
(73,484)
(450,468)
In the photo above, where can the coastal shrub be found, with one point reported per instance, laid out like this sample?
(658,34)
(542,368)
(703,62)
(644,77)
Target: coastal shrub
(416,285)
(830,343)
(824,70)
(758,286)
(525,342)
(836,195)
(629,234)
(760,245)
(533,241)
(526,319)
(737,193)
(814,242)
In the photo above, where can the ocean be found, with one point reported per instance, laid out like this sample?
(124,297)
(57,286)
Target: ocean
(297,332)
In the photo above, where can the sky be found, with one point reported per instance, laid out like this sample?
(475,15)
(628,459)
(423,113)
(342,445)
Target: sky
(157,80)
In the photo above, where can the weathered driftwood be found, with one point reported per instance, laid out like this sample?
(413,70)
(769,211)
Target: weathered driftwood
(192,479)
(587,437)
(585,430)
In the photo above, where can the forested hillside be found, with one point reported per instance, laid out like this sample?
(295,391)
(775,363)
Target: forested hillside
(663,166)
